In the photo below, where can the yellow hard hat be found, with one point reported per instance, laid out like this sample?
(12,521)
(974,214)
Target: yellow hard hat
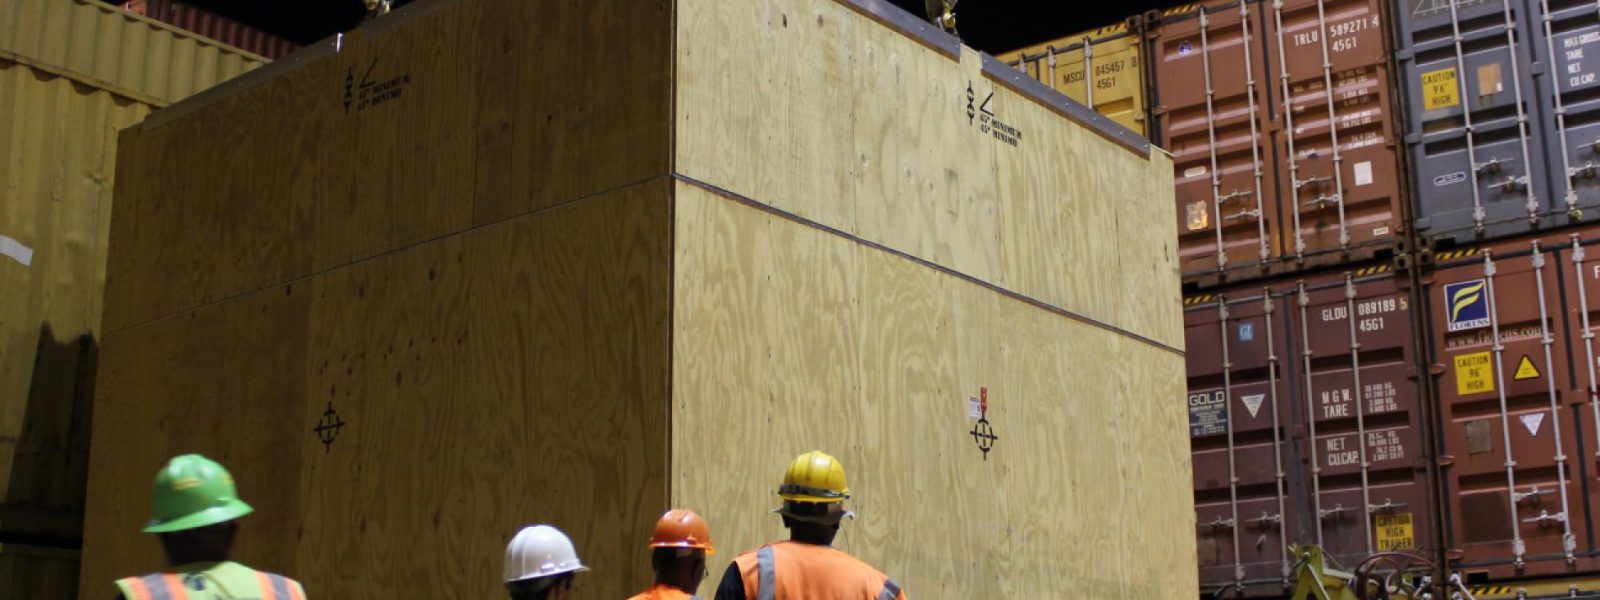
(814,476)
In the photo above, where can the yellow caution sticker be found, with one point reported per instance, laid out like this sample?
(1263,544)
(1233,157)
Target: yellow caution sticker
(1439,89)
(1526,370)
(1395,532)
(1472,374)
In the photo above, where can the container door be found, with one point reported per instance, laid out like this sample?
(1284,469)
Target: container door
(1471,108)
(1214,111)
(1571,104)
(1369,481)
(1341,182)
(1113,54)
(1509,439)
(1580,263)
(1239,409)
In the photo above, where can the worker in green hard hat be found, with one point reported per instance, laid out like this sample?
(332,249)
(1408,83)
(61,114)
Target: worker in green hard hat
(195,505)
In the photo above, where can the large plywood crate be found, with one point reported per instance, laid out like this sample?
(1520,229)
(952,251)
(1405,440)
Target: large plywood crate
(489,262)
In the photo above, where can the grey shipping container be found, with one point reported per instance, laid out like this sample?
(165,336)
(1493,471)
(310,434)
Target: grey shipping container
(1473,107)
(1568,33)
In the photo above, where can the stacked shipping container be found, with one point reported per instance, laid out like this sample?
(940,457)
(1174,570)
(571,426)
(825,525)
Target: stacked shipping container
(1384,214)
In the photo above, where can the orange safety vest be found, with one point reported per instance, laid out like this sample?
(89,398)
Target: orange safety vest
(170,585)
(662,591)
(797,571)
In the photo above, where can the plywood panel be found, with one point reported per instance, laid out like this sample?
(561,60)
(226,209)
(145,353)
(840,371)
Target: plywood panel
(573,99)
(1075,495)
(56,149)
(512,374)
(414,129)
(200,222)
(219,381)
(859,128)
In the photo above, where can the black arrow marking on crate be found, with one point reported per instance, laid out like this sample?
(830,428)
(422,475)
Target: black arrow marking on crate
(328,427)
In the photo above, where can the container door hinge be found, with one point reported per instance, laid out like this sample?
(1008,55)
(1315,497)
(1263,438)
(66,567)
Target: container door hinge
(1445,460)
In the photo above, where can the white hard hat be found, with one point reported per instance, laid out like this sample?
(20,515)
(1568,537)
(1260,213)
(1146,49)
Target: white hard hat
(540,551)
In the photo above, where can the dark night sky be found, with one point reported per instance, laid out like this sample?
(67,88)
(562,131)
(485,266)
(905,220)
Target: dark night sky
(991,25)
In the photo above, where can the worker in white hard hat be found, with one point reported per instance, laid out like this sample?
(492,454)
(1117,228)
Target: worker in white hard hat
(540,564)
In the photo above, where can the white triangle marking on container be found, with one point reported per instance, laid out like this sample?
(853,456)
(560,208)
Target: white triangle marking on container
(1532,421)
(1253,402)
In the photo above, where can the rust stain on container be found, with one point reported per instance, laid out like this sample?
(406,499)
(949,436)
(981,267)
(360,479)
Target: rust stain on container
(1312,379)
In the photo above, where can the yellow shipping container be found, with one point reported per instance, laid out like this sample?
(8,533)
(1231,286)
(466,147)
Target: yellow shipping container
(1116,59)
(72,73)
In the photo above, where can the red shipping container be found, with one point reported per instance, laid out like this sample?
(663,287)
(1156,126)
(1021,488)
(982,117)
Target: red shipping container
(1508,325)
(1306,425)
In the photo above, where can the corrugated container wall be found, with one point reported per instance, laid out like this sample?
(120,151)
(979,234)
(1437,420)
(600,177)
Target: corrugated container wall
(1114,54)
(214,26)
(72,73)
(1279,119)
(1306,425)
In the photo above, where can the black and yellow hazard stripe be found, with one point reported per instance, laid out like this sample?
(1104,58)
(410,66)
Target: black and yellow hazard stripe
(1374,270)
(1200,299)
(1479,591)
(1449,255)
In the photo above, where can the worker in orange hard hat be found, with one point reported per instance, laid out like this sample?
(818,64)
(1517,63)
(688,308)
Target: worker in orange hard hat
(807,566)
(679,547)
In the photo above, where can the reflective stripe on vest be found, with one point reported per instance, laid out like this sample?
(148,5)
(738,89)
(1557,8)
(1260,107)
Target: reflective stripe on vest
(891,590)
(766,587)
(136,587)
(157,586)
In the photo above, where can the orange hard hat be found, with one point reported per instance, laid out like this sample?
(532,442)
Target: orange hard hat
(682,528)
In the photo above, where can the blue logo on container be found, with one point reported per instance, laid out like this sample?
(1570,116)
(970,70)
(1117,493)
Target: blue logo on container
(1184,48)
(1466,305)
(1247,332)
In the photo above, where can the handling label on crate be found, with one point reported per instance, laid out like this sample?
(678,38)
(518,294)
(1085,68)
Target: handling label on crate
(1440,90)
(1395,532)
(1208,414)
(1472,374)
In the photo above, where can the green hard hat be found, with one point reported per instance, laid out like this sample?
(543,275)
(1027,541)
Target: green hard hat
(193,491)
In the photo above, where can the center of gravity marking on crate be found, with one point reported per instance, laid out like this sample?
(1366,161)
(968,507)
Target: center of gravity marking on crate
(370,92)
(328,427)
(1473,375)
(1466,305)
(1208,414)
(1395,532)
(981,115)
(1253,402)
(1440,89)
(1526,370)
(1532,421)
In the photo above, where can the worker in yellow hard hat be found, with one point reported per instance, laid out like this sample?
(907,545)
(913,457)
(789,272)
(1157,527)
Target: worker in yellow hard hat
(195,506)
(807,566)
(678,550)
